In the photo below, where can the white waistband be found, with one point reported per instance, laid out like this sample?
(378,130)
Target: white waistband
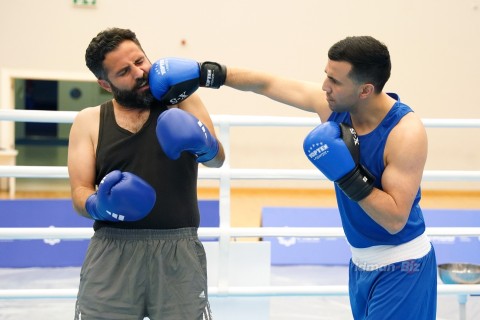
(376,257)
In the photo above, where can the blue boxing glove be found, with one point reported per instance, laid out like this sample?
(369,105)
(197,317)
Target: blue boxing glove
(121,196)
(179,131)
(172,80)
(335,150)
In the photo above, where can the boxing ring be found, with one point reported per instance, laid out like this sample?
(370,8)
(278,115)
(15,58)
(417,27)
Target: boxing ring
(225,233)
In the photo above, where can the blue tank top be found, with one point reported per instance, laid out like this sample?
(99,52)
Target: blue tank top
(361,230)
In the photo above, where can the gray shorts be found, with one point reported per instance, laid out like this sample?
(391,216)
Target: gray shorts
(132,274)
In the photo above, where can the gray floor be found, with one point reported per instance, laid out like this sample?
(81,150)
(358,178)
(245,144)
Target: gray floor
(277,308)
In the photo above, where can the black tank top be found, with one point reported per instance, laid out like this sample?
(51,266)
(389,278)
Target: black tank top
(175,182)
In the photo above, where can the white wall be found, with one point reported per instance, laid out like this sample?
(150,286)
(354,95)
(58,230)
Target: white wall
(434,44)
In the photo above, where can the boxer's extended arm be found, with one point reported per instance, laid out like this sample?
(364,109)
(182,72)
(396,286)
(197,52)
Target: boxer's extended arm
(183,76)
(304,95)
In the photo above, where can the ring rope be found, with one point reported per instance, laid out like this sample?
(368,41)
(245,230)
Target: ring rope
(18,115)
(61,172)
(234,291)
(237,232)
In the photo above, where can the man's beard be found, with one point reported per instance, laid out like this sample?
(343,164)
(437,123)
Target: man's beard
(133,98)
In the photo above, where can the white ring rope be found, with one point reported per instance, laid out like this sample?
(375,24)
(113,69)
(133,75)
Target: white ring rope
(236,120)
(61,172)
(224,231)
(233,291)
(37,116)
(316,232)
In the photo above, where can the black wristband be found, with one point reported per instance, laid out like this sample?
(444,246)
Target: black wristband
(212,74)
(357,184)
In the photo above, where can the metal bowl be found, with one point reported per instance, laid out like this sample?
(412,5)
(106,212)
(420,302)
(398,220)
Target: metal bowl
(459,273)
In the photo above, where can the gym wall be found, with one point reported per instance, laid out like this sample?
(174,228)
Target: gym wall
(434,46)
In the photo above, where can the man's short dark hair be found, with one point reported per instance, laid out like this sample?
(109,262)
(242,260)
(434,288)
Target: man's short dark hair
(105,42)
(369,58)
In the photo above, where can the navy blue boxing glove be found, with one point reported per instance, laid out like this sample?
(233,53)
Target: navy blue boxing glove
(172,80)
(121,196)
(335,150)
(179,131)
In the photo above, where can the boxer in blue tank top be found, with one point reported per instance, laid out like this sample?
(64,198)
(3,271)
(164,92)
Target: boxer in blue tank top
(383,290)
(374,148)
